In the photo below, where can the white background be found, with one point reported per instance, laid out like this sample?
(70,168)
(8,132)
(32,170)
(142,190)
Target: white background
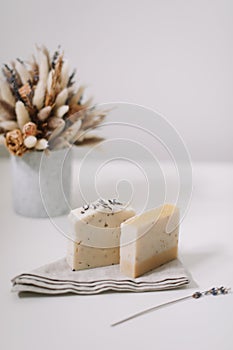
(173,56)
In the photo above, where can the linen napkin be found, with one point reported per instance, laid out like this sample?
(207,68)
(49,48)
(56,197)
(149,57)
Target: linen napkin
(58,278)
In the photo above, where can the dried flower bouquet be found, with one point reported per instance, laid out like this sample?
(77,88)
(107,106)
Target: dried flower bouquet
(41,107)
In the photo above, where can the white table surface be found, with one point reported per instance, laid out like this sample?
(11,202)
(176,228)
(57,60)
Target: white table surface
(83,322)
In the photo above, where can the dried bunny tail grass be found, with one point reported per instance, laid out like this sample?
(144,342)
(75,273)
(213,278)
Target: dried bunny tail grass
(41,144)
(22,71)
(43,70)
(7,112)
(6,93)
(22,114)
(61,98)
(55,85)
(44,113)
(43,67)
(47,101)
(39,95)
(45,51)
(34,70)
(65,74)
(61,111)
(49,82)
(8,125)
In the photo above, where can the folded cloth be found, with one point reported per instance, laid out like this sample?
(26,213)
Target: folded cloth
(58,278)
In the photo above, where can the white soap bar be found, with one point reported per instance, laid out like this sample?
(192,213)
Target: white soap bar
(95,234)
(149,240)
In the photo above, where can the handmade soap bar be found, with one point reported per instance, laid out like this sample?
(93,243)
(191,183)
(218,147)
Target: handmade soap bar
(149,240)
(81,257)
(95,234)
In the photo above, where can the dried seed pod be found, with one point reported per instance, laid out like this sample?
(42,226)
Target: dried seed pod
(25,91)
(30,141)
(22,114)
(6,93)
(41,144)
(39,95)
(14,142)
(61,98)
(44,113)
(61,111)
(22,71)
(30,129)
(8,125)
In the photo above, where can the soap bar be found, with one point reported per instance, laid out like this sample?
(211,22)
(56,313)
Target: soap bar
(95,233)
(81,257)
(149,240)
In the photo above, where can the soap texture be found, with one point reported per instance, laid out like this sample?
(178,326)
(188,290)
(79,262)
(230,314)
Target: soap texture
(149,240)
(95,234)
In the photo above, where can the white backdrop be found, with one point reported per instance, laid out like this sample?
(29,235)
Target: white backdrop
(172,56)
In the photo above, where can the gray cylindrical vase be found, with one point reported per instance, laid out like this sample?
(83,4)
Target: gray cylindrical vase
(41,183)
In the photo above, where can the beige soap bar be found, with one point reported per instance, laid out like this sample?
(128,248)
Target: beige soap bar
(81,257)
(149,240)
(95,234)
